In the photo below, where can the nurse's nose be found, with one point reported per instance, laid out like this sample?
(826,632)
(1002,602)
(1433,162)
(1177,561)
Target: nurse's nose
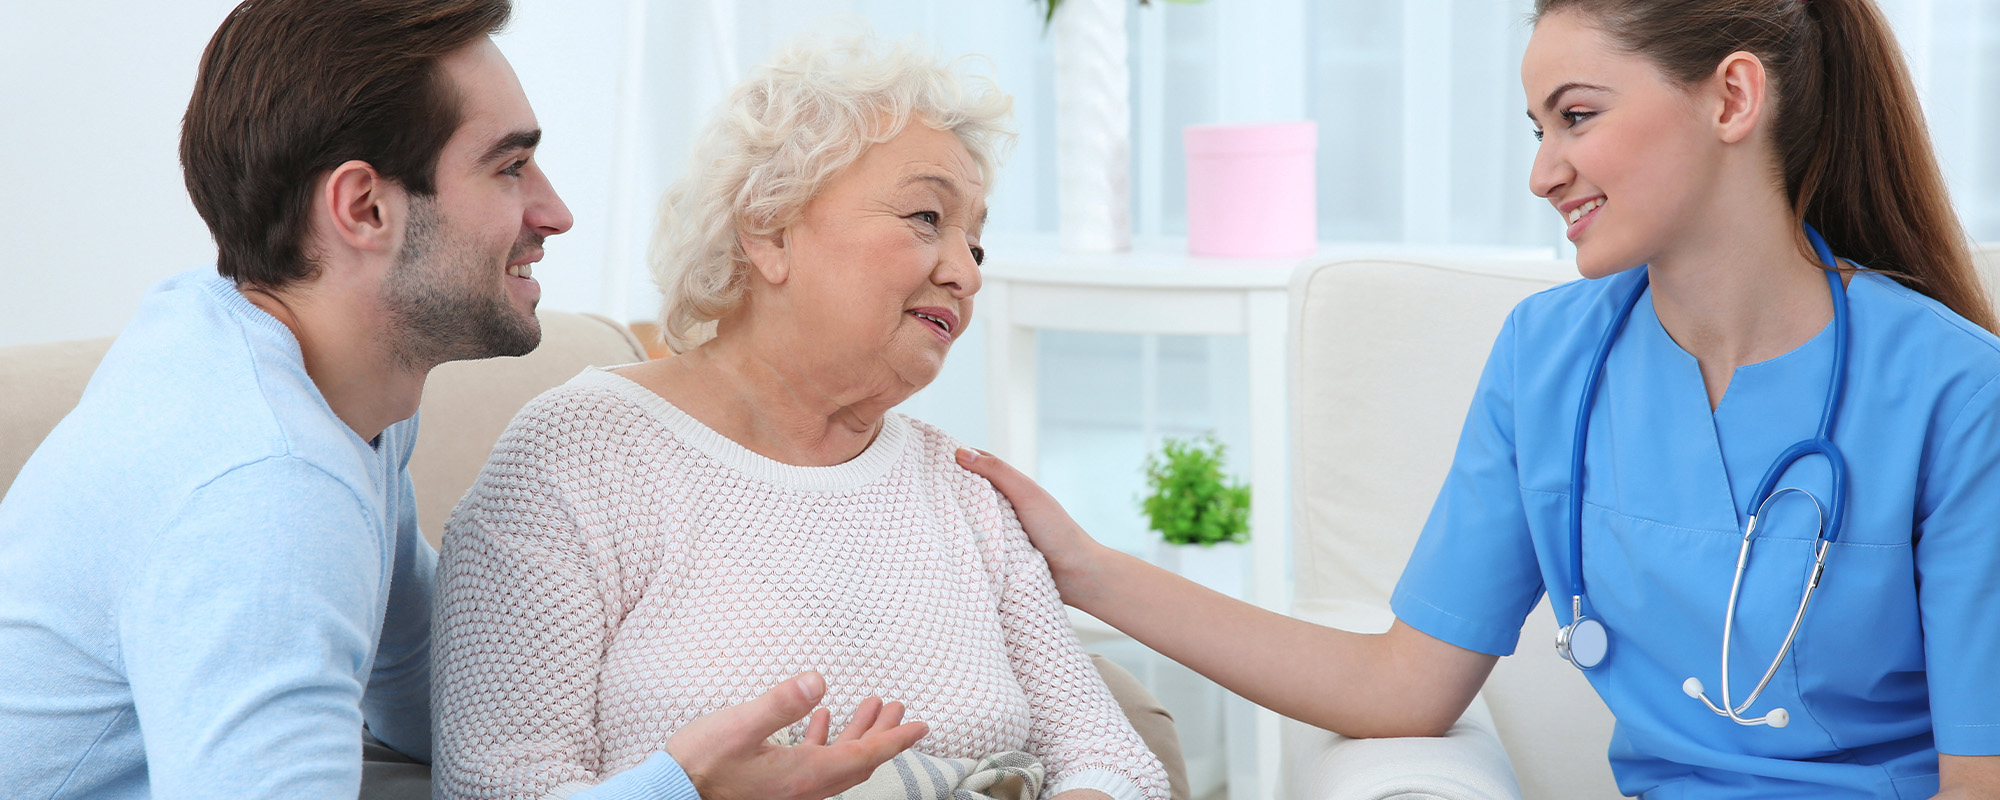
(1551,172)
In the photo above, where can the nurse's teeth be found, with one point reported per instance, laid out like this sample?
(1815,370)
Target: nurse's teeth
(1578,212)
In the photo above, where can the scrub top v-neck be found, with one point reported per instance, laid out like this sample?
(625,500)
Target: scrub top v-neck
(1894,658)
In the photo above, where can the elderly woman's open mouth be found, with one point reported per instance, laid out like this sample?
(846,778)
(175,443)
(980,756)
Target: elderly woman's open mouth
(941,320)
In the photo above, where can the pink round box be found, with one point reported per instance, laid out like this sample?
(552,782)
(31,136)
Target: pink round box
(1250,190)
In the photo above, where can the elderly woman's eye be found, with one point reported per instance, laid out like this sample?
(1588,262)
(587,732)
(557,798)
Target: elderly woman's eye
(978,255)
(930,218)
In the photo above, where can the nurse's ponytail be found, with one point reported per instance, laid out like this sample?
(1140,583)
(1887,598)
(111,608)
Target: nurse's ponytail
(1851,140)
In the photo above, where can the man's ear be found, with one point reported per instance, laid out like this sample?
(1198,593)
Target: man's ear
(358,205)
(1740,87)
(767,255)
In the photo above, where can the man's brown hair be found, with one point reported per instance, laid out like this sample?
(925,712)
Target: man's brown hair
(289,89)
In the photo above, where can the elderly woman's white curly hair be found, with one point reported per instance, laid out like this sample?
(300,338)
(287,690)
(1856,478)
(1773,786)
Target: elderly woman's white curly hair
(780,136)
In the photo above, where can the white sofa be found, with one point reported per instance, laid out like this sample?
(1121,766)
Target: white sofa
(1385,354)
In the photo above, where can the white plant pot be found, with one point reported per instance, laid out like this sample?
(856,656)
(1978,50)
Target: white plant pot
(1221,567)
(1093,126)
(1196,703)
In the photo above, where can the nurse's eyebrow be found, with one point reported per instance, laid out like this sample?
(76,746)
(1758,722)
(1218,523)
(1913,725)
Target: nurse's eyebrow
(509,144)
(1550,103)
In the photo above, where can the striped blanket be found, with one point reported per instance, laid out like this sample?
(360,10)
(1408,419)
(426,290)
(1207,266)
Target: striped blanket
(1012,775)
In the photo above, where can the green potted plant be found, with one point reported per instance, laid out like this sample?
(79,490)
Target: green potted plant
(1202,516)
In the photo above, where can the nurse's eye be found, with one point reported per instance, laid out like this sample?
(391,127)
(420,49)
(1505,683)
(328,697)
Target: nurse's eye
(1575,118)
(1538,134)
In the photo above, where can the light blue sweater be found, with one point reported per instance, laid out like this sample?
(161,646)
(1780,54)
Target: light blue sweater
(208,582)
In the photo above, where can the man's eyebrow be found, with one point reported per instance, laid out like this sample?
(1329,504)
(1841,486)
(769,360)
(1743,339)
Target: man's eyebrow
(507,145)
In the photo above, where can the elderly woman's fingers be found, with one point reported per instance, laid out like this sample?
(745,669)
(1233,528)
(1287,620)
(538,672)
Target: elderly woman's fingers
(863,719)
(891,716)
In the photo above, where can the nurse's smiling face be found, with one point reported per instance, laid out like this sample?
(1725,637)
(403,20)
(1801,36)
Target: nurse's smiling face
(1625,157)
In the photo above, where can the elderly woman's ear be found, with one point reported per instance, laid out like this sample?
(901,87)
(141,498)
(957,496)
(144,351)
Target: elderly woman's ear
(767,255)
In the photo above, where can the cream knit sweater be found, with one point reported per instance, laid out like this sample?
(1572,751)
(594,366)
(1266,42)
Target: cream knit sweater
(620,569)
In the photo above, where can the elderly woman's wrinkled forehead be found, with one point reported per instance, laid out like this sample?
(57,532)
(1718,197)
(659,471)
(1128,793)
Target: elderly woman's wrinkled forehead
(920,162)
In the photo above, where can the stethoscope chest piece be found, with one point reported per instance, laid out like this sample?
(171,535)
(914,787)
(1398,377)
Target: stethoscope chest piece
(1584,642)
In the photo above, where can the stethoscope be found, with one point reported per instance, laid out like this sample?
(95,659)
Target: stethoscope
(1585,641)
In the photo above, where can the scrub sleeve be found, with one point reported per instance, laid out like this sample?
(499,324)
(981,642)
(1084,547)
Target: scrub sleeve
(1474,576)
(1958,578)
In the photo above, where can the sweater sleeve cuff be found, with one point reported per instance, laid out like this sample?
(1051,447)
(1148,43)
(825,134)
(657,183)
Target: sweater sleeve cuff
(1115,784)
(659,777)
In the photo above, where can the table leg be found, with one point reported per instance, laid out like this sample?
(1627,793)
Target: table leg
(1270,539)
(1011,412)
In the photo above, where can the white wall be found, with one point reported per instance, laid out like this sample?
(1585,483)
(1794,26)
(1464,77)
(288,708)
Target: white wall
(91,97)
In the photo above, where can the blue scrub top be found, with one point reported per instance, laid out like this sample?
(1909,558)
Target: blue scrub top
(1899,653)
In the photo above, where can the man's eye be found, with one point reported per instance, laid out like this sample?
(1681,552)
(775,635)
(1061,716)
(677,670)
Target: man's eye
(515,168)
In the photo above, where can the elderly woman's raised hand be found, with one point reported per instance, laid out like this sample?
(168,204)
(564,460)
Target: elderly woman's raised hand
(728,756)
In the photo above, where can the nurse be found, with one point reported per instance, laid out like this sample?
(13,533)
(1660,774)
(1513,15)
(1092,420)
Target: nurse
(1697,150)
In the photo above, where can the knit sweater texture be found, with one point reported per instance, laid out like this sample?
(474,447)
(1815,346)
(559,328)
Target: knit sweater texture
(620,569)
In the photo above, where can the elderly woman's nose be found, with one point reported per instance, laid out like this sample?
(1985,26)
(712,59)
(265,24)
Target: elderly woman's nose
(958,270)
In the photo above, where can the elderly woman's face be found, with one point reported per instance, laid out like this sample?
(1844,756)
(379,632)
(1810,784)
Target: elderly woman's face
(883,263)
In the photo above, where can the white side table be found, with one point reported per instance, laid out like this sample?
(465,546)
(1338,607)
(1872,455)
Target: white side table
(1158,289)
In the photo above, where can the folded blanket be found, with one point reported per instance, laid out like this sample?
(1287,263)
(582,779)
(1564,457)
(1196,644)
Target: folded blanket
(1012,775)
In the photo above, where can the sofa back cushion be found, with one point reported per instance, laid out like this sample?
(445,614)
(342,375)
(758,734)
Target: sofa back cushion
(39,384)
(1385,356)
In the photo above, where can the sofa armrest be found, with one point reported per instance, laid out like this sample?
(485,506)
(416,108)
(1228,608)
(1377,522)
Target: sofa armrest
(1468,763)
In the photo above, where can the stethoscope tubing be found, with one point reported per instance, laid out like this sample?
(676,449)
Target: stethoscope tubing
(1821,444)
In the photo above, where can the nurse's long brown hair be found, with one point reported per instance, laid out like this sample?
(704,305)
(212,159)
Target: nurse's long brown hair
(1853,149)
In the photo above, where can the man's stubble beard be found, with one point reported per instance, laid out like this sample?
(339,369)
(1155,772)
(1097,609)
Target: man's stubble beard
(443,303)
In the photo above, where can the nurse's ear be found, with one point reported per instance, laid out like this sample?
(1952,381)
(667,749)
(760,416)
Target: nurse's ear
(1735,97)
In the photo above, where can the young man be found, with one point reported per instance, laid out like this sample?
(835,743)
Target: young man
(210,573)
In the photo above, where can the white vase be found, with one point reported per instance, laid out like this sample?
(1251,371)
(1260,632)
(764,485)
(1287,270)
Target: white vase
(1218,566)
(1093,126)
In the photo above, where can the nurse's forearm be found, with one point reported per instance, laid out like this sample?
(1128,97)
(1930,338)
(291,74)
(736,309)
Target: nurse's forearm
(1968,777)
(1399,683)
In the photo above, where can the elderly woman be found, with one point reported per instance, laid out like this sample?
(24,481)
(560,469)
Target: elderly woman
(654,542)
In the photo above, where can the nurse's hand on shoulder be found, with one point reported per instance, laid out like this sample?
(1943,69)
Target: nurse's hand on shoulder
(728,756)
(1062,542)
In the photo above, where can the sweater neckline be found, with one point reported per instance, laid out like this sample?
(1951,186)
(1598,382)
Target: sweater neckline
(870,466)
